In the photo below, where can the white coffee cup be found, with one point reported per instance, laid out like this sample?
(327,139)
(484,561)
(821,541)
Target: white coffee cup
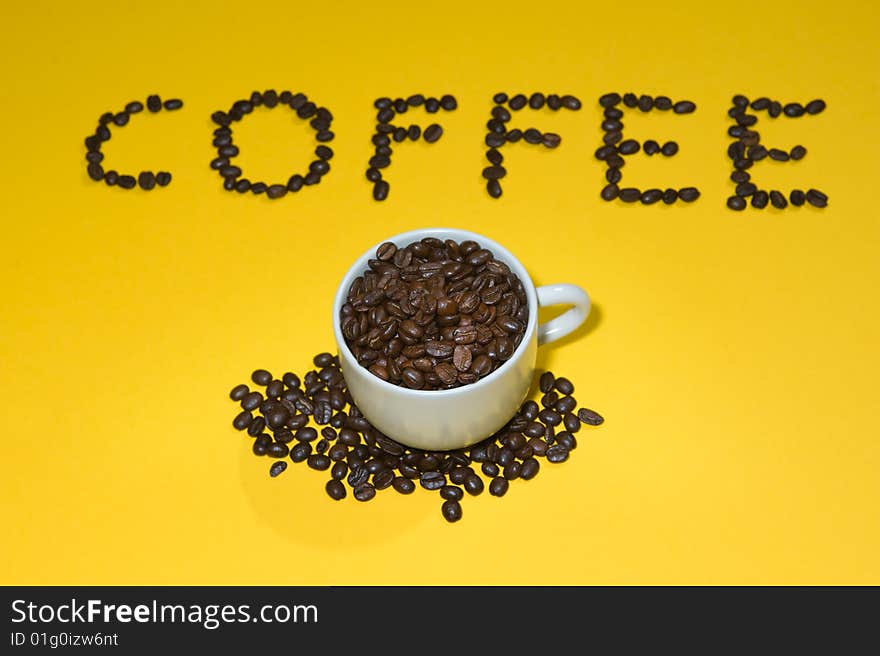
(450,419)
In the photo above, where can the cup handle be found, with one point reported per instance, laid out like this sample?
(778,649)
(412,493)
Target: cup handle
(568,320)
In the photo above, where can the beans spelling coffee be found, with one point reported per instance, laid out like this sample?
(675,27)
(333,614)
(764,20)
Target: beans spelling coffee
(434,314)
(362,459)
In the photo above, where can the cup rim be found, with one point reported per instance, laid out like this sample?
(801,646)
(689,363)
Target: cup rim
(359,266)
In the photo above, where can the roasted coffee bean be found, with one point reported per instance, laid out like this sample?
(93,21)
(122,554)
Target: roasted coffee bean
(611,125)
(307,434)
(737,203)
(760,103)
(662,103)
(432,133)
(172,104)
(815,106)
(242,420)
(532,136)
(498,486)
(551,139)
(494,172)
(120,119)
(557,453)
(451,493)
(757,153)
(778,155)
(567,440)
(775,109)
(490,469)
(383,479)
(494,188)
(432,105)
(473,485)
(451,511)
(448,102)
(760,199)
(609,192)
(163,178)
(651,196)
(613,176)
(683,107)
(336,490)
(380,190)
(778,200)
(793,110)
(261,377)
(646,103)
(96,171)
(816,198)
(238,392)
(609,99)
(517,102)
(251,401)
(745,189)
(670,196)
(669,148)
(277,450)
(276,468)
(127,181)
(628,147)
(651,147)
(797,197)
(432,480)
(629,194)
(740,176)
(529,469)
(590,417)
(512,470)
(154,103)
(798,152)
(94,156)
(403,485)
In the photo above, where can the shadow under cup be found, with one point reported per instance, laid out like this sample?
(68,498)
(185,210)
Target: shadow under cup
(444,419)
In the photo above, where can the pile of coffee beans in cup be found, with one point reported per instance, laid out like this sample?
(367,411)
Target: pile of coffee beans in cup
(313,419)
(434,314)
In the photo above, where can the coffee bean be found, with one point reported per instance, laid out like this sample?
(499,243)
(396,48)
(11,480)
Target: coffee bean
(494,172)
(154,103)
(498,486)
(590,417)
(745,189)
(318,461)
(662,103)
(670,196)
(683,107)
(816,198)
(740,176)
(172,104)
(238,392)
(798,152)
(793,110)
(613,176)
(120,119)
(629,194)
(609,192)
(775,109)
(336,490)
(609,99)
(380,190)
(517,102)
(651,147)
(432,480)
(737,203)
(628,147)
(451,493)
(797,197)
(276,468)
(778,155)
(127,181)
(551,139)
(557,453)
(651,196)
(778,200)
(277,450)
(451,511)
(669,148)
(760,199)
(242,420)
(646,103)
(163,178)
(760,103)
(432,133)
(95,171)
(815,106)
(473,485)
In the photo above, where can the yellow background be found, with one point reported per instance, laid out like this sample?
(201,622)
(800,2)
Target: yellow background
(733,354)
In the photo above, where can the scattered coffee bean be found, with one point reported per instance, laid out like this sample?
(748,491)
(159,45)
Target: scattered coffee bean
(797,197)
(629,194)
(689,194)
(815,106)
(760,199)
(798,152)
(498,486)
(335,489)
(651,147)
(778,200)
(669,148)
(683,107)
